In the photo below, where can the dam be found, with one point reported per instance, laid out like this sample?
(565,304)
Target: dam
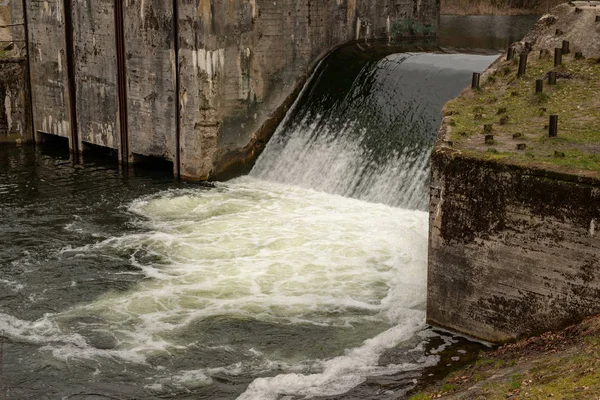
(304,278)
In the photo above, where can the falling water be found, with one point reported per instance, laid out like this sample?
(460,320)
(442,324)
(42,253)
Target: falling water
(369,135)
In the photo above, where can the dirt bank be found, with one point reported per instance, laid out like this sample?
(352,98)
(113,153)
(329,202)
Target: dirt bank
(562,365)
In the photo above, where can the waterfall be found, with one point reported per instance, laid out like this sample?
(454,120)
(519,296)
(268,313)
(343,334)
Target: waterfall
(366,131)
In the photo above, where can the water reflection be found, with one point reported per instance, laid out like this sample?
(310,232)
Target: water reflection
(483,32)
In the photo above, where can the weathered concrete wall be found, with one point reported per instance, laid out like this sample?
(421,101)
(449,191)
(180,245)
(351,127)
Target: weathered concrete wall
(5,19)
(151,98)
(241,60)
(95,70)
(513,251)
(240,64)
(15,120)
(47,58)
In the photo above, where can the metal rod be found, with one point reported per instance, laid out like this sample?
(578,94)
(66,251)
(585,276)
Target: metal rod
(121,81)
(177,90)
(11,25)
(69,50)
(28,66)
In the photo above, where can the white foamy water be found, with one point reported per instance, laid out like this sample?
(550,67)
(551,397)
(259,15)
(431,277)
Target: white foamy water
(247,253)
(312,160)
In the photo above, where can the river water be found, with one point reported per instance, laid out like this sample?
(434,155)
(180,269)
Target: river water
(303,279)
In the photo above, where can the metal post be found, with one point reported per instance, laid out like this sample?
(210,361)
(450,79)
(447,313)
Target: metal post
(552,78)
(522,64)
(475,80)
(558,56)
(177,90)
(565,47)
(69,44)
(553,126)
(539,85)
(122,81)
(510,54)
(29,88)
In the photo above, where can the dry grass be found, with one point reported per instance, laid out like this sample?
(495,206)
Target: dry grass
(574,99)
(489,7)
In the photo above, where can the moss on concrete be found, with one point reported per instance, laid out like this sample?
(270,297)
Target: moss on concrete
(561,365)
(519,116)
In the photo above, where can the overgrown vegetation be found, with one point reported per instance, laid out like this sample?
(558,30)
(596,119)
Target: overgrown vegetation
(520,117)
(562,365)
(497,7)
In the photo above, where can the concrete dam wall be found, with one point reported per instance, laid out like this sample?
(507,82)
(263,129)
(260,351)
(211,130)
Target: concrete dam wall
(14,108)
(513,251)
(202,84)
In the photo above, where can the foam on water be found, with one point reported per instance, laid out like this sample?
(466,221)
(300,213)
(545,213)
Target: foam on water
(259,253)
(342,373)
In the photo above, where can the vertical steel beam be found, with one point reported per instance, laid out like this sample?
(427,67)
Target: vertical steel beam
(177,91)
(29,96)
(69,49)
(122,82)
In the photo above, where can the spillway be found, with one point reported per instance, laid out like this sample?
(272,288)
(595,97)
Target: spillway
(366,132)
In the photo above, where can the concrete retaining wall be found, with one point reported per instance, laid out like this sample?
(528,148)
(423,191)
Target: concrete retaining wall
(513,251)
(238,65)
(95,73)
(15,121)
(48,63)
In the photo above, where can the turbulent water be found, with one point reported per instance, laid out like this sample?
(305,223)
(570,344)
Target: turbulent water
(282,284)
(246,279)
